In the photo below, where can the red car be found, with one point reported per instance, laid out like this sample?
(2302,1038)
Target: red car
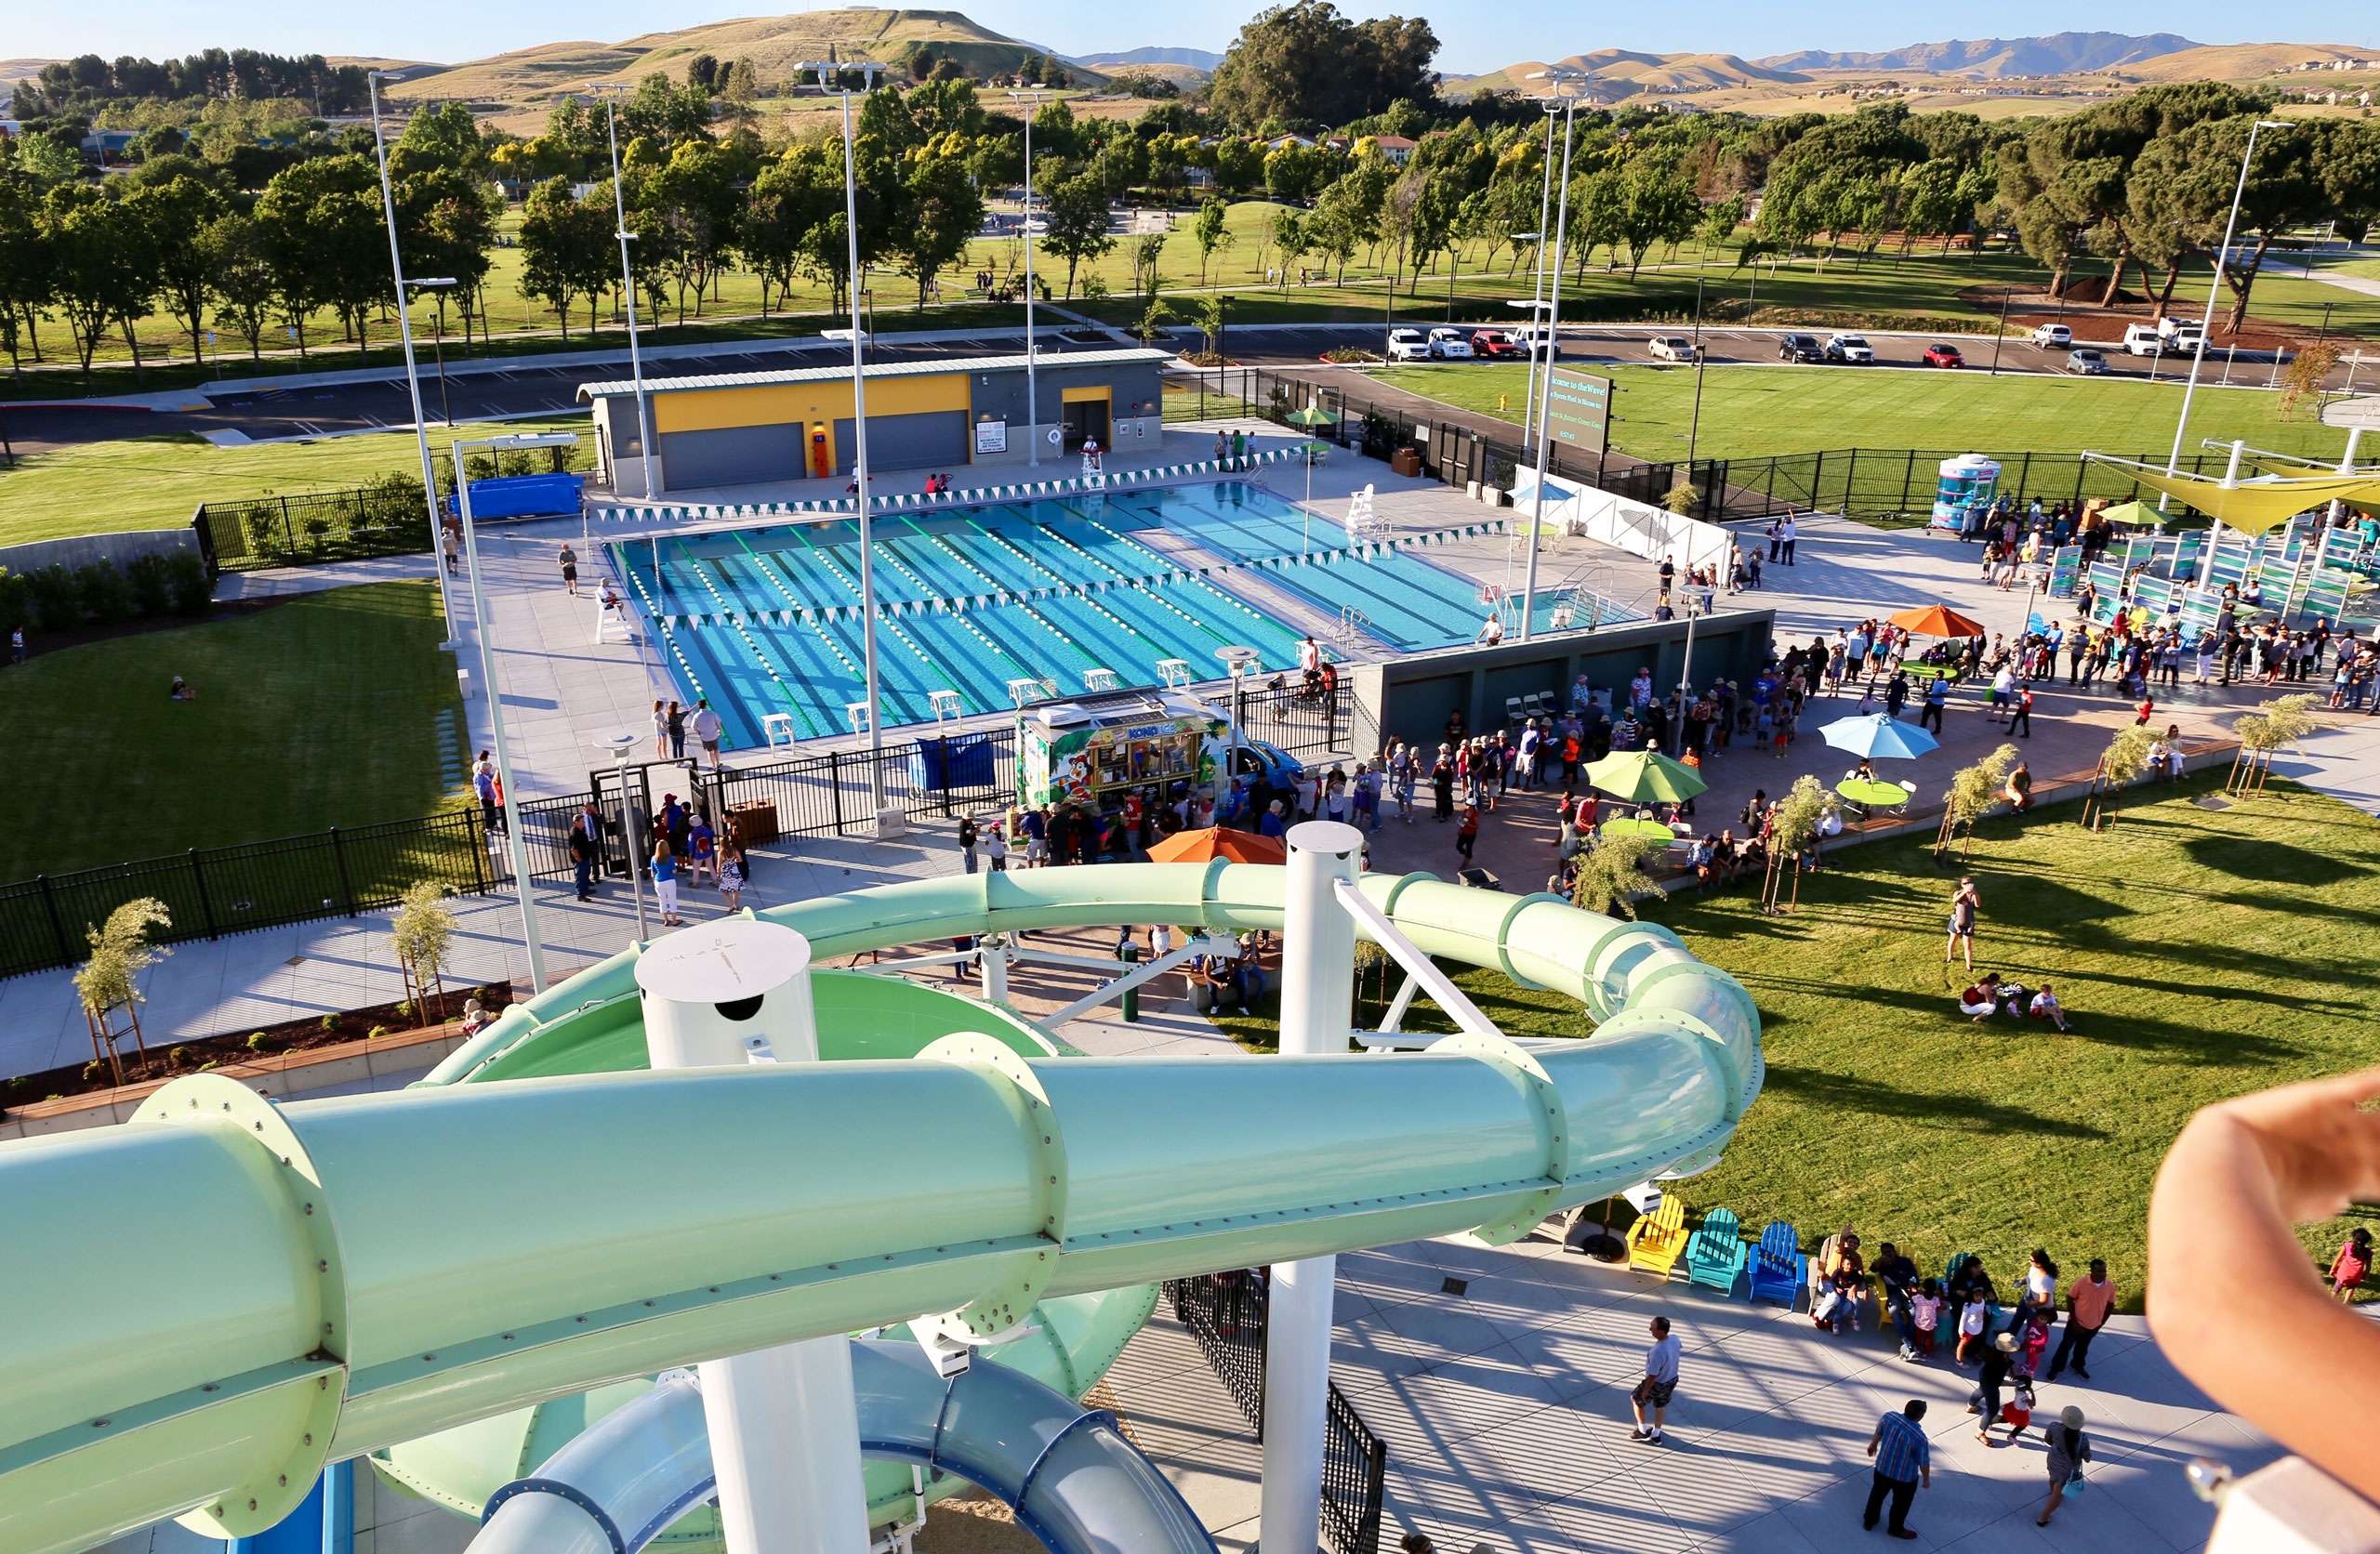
(1941,355)
(1493,343)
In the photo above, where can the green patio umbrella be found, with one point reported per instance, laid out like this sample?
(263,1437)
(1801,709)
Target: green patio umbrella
(1644,777)
(2128,512)
(1311,416)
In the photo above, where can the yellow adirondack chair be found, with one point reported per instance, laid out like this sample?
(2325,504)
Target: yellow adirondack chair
(1657,1239)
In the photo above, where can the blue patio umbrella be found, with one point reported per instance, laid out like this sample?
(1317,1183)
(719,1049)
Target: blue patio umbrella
(1880,737)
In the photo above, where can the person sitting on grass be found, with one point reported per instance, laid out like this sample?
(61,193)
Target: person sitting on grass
(180,690)
(2045,1005)
(1981,1001)
(2018,789)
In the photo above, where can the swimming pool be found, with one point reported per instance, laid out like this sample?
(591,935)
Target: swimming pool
(767,620)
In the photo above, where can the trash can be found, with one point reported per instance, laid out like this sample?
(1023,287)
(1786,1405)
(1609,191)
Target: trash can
(1129,954)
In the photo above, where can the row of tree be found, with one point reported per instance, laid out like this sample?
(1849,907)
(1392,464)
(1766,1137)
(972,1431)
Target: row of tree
(87,82)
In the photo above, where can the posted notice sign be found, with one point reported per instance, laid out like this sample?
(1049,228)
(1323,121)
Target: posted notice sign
(1578,409)
(991,436)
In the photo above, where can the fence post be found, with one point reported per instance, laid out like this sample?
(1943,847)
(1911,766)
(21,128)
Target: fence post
(835,786)
(2081,466)
(205,905)
(346,886)
(2024,481)
(474,827)
(57,923)
(288,534)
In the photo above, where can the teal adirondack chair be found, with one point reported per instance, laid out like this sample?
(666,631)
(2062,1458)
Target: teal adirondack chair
(1716,1256)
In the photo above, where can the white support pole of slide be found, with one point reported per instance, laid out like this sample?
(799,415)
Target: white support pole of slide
(1318,987)
(784,1421)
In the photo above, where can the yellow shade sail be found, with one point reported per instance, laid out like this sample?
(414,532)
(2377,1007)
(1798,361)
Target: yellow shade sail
(2253,505)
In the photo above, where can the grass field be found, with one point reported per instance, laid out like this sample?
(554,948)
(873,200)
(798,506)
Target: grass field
(2199,954)
(1750,410)
(157,482)
(334,709)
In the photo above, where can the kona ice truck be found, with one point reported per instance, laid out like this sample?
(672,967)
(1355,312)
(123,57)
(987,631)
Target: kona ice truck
(1095,750)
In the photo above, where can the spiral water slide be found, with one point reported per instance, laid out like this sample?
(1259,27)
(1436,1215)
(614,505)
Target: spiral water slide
(214,1301)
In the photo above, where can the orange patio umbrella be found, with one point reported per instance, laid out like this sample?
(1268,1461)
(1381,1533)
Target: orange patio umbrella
(1209,843)
(1936,620)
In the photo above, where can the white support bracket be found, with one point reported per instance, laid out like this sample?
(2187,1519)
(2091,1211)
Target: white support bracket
(1418,967)
(1145,972)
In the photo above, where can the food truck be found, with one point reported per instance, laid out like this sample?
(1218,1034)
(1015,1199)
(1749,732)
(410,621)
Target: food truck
(1093,750)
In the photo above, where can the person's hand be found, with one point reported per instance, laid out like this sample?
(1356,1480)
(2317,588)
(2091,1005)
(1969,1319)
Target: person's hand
(2321,1140)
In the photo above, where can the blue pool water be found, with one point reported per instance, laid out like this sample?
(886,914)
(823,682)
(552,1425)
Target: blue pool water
(765,620)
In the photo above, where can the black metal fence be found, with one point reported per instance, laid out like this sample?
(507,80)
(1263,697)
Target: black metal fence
(1302,723)
(385,517)
(1874,485)
(1224,1314)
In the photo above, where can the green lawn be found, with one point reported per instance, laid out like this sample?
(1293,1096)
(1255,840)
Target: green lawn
(157,482)
(1750,410)
(2200,954)
(334,709)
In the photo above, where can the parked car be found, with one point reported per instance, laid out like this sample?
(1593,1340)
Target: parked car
(1941,353)
(1671,348)
(1408,345)
(1449,344)
(2185,340)
(1800,347)
(2087,363)
(2052,336)
(2142,339)
(1537,340)
(1853,349)
(1495,344)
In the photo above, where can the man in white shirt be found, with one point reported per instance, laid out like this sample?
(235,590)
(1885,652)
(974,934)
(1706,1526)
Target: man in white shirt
(1661,1381)
(1492,632)
(1786,533)
(707,728)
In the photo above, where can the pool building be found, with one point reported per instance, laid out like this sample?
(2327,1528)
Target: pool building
(765,427)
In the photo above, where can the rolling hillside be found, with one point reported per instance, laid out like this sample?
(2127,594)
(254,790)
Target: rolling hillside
(533,78)
(1618,74)
(2058,54)
(2241,61)
(1200,60)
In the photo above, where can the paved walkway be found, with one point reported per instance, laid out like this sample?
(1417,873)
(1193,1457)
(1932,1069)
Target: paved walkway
(1500,1380)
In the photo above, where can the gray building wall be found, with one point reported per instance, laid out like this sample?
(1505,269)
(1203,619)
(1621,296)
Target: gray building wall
(83,549)
(729,455)
(1412,698)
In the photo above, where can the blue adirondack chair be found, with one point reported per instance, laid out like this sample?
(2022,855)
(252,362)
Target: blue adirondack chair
(1716,1256)
(1779,1270)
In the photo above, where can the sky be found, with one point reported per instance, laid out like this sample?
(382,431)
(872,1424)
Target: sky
(1476,35)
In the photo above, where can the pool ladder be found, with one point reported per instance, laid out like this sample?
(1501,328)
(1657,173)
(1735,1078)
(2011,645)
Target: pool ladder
(1351,623)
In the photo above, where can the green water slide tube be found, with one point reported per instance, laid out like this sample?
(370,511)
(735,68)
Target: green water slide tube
(344,1275)
(1069,1344)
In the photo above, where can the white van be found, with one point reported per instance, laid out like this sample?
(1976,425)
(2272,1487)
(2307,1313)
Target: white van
(2142,339)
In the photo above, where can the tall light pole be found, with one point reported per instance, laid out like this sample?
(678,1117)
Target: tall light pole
(621,746)
(446,411)
(2198,355)
(1536,292)
(1559,78)
(515,847)
(1032,398)
(413,379)
(1694,427)
(651,461)
(833,77)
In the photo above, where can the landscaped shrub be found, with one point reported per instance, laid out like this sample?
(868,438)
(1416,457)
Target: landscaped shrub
(106,594)
(152,589)
(188,587)
(57,601)
(15,601)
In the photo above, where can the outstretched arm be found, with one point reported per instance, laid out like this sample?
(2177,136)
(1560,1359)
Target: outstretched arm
(2233,1298)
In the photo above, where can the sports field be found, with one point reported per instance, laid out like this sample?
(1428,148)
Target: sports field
(334,709)
(157,482)
(1759,410)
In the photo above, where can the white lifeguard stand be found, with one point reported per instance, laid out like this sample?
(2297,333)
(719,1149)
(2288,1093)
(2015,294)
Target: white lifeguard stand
(857,715)
(612,623)
(944,704)
(1100,679)
(1175,672)
(1094,469)
(776,724)
(1363,523)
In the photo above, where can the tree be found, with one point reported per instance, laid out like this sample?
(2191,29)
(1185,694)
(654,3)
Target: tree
(1240,165)
(695,202)
(1154,320)
(330,249)
(1973,790)
(1290,239)
(1210,232)
(26,272)
(1331,229)
(1210,327)
(786,205)
(2184,185)
(941,212)
(1792,836)
(169,217)
(702,72)
(120,950)
(102,262)
(1149,250)
(1610,876)
(1075,223)
(422,934)
(239,267)
(1304,63)
(1717,227)
(438,135)
(2125,757)
(565,249)
(1658,206)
